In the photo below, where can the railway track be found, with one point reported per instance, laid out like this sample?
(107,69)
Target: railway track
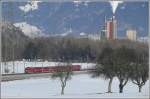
(21,76)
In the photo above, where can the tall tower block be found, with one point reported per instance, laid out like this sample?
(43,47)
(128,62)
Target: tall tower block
(111,27)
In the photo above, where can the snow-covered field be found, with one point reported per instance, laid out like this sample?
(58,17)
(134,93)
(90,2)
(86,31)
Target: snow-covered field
(80,86)
(20,65)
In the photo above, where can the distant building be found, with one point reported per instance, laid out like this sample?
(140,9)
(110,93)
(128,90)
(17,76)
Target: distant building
(111,28)
(131,35)
(108,31)
(83,35)
(143,39)
(94,36)
(103,33)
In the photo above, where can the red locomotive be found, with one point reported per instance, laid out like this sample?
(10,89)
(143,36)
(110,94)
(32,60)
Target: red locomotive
(52,69)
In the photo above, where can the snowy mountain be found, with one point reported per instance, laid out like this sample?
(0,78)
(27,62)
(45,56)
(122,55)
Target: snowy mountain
(12,33)
(57,18)
(29,30)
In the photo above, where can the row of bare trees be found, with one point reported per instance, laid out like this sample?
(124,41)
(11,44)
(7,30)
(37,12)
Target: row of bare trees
(58,49)
(52,48)
(67,48)
(125,63)
(122,60)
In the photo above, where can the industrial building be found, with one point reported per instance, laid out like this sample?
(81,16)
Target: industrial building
(109,30)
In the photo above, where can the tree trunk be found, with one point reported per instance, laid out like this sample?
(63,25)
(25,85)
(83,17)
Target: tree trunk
(120,87)
(122,84)
(62,90)
(140,88)
(109,86)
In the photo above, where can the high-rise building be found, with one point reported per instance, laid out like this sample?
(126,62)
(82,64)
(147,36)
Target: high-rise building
(131,35)
(111,28)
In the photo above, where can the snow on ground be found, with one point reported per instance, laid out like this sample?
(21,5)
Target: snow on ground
(20,65)
(80,86)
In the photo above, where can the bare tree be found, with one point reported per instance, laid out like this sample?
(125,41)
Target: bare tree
(140,70)
(124,56)
(64,74)
(105,66)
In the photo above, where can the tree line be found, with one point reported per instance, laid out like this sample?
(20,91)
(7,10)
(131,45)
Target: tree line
(58,49)
(125,61)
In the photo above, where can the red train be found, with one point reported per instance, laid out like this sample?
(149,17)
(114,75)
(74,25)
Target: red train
(52,69)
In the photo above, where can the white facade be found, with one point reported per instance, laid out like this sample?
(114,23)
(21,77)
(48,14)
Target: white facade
(94,36)
(131,35)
